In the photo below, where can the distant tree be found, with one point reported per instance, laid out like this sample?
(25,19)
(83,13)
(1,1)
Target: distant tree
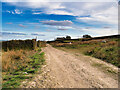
(68,37)
(87,36)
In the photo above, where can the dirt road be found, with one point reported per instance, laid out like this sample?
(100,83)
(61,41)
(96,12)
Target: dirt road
(67,70)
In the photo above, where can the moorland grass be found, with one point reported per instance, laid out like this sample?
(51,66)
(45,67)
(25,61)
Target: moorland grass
(106,51)
(20,65)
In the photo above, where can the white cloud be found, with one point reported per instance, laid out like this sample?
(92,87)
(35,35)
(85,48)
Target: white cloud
(16,11)
(101,13)
(59,12)
(37,13)
(106,12)
(59,0)
(101,32)
(109,16)
(43,5)
(8,11)
(50,5)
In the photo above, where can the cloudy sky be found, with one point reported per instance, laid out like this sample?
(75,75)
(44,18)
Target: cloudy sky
(48,20)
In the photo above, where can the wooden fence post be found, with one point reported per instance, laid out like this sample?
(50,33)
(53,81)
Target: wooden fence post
(34,43)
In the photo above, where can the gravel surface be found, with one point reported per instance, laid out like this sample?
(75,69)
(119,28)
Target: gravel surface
(67,70)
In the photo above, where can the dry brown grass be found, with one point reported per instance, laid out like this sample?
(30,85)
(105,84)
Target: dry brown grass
(112,43)
(90,42)
(11,60)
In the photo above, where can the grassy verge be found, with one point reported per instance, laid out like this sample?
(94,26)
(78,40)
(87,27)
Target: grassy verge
(20,65)
(103,67)
(106,51)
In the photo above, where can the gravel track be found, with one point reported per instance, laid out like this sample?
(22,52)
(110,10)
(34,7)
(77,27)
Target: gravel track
(66,70)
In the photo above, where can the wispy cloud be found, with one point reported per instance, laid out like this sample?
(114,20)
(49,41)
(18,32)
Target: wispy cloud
(61,35)
(33,23)
(39,4)
(8,11)
(48,30)
(105,16)
(59,12)
(9,23)
(90,17)
(37,13)
(107,27)
(12,33)
(99,11)
(88,27)
(100,32)
(35,34)
(57,23)
(62,29)
(21,25)
(15,11)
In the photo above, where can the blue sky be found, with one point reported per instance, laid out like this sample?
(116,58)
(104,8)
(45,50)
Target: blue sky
(48,20)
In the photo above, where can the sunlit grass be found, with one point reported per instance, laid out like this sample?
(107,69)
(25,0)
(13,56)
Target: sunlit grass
(20,65)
